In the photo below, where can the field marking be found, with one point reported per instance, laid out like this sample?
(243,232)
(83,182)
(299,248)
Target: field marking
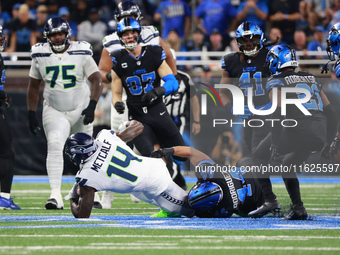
(132,246)
(203,237)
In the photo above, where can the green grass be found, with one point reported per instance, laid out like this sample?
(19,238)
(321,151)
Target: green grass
(319,199)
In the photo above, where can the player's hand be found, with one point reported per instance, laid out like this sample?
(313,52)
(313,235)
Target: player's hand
(325,152)
(89,112)
(74,192)
(33,123)
(150,97)
(120,107)
(5,98)
(274,151)
(335,146)
(133,129)
(161,153)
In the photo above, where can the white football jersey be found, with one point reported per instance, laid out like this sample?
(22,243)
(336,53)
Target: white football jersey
(149,36)
(115,167)
(64,74)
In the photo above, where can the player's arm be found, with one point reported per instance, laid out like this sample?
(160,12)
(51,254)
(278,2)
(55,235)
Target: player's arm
(105,65)
(133,129)
(169,58)
(32,104)
(117,91)
(224,93)
(82,208)
(195,106)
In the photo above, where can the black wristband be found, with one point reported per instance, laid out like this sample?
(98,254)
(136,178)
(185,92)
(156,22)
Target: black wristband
(197,122)
(31,114)
(108,76)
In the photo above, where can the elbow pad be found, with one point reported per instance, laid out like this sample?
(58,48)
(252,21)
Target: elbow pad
(170,84)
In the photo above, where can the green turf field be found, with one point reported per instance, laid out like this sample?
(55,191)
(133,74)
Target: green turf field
(34,230)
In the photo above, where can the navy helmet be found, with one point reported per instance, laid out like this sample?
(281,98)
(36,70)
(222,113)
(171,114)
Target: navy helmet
(129,24)
(280,56)
(2,39)
(249,38)
(333,41)
(57,25)
(127,8)
(80,147)
(205,195)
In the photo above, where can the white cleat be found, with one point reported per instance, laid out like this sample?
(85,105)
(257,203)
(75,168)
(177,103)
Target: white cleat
(55,202)
(107,199)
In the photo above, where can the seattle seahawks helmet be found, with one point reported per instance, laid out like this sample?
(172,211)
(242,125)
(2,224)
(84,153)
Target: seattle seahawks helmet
(129,24)
(205,195)
(2,39)
(249,38)
(57,25)
(333,41)
(127,8)
(80,147)
(280,56)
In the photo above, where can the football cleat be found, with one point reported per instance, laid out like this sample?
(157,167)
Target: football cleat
(52,204)
(297,212)
(8,204)
(165,214)
(107,199)
(96,203)
(267,207)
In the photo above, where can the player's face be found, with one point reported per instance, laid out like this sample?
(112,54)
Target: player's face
(58,38)
(249,43)
(130,36)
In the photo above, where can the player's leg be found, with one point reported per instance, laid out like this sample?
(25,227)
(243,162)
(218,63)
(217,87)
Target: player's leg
(174,200)
(57,129)
(6,166)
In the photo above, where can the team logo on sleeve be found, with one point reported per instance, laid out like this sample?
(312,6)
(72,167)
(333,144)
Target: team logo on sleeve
(124,65)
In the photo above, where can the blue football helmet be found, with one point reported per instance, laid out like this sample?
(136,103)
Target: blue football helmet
(80,147)
(333,41)
(57,25)
(2,39)
(249,38)
(129,24)
(205,195)
(280,56)
(127,8)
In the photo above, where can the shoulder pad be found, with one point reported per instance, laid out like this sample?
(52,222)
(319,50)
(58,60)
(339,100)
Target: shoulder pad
(41,50)
(80,48)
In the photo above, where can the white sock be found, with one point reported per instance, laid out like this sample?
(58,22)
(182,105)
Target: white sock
(5,195)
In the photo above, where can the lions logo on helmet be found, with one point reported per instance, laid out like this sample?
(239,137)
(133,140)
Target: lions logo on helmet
(333,41)
(80,147)
(280,56)
(129,24)
(57,25)
(249,38)
(127,8)
(205,195)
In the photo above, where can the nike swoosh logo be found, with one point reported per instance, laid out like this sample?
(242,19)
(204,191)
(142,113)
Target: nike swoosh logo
(162,113)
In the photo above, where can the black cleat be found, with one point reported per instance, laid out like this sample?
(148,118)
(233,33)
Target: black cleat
(180,181)
(297,212)
(97,205)
(52,204)
(264,209)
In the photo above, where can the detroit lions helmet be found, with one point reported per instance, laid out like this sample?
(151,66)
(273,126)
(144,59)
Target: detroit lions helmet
(2,39)
(129,24)
(127,8)
(205,195)
(249,38)
(80,147)
(280,56)
(57,25)
(333,41)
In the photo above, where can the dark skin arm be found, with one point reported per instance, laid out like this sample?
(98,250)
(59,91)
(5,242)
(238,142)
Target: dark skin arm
(105,65)
(83,207)
(33,94)
(96,88)
(188,152)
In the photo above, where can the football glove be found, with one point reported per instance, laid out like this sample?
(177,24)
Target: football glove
(335,146)
(5,98)
(325,152)
(89,112)
(274,151)
(33,123)
(150,97)
(120,107)
(160,153)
